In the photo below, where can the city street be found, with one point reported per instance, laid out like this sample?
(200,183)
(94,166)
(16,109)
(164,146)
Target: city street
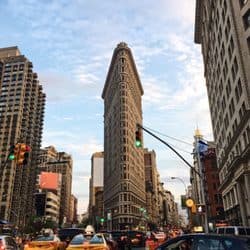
(124,122)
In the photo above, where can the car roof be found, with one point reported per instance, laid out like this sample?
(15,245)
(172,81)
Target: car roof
(233,227)
(5,235)
(212,235)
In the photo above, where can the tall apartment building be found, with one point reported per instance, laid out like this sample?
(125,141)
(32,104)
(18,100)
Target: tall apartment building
(124,174)
(223,29)
(152,181)
(96,188)
(22,103)
(59,162)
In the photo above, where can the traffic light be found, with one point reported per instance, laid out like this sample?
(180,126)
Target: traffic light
(138,138)
(193,209)
(183,201)
(101,220)
(201,209)
(11,155)
(23,154)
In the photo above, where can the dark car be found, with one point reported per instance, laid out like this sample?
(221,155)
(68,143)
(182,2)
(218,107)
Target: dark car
(120,237)
(67,234)
(7,242)
(136,238)
(110,240)
(206,242)
(129,238)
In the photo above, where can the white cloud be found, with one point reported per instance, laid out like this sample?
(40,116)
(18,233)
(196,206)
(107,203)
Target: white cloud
(71,44)
(68,118)
(153,92)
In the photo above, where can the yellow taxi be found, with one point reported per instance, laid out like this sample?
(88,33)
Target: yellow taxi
(48,242)
(97,242)
(78,241)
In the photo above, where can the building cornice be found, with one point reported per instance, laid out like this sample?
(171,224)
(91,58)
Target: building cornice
(197,25)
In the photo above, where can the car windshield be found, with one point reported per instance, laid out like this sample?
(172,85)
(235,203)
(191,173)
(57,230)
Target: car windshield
(97,239)
(78,240)
(116,235)
(66,233)
(135,234)
(44,238)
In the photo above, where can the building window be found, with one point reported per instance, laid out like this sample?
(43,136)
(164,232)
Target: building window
(248,43)
(231,108)
(243,2)
(239,88)
(228,88)
(234,68)
(246,19)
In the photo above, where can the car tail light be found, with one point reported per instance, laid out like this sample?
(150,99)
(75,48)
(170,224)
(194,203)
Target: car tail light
(138,235)
(1,245)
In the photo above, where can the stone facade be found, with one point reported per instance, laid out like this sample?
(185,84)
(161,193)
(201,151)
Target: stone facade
(223,30)
(124,175)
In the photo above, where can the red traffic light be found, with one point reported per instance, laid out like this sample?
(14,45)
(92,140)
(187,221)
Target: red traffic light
(23,154)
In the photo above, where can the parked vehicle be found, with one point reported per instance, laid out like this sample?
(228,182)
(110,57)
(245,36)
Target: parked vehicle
(7,242)
(235,230)
(48,242)
(206,242)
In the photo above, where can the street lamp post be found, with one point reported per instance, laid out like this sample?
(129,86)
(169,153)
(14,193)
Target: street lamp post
(180,179)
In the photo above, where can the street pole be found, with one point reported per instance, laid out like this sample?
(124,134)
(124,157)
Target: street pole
(202,188)
(186,193)
(180,179)
(159,139)
(199,172)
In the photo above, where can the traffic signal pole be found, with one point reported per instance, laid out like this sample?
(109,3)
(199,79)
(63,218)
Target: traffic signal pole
(159,139)
(201,176)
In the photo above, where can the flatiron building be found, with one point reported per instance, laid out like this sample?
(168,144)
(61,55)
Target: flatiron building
(124,173)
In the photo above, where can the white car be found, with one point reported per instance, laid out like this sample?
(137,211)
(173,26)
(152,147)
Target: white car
(160,236)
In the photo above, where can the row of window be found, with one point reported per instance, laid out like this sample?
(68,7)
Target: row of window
(230,199)
(221,141)
(15,67)
(239,147)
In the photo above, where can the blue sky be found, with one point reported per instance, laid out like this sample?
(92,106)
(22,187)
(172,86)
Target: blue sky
(71,43)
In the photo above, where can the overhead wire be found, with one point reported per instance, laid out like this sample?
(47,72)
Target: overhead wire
(173,138)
